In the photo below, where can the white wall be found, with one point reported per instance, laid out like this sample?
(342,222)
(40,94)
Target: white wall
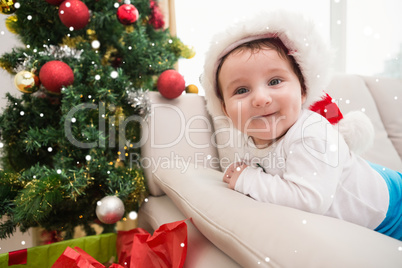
(18,241)
(197,22)
(8,40)
(374,35)
(372,29)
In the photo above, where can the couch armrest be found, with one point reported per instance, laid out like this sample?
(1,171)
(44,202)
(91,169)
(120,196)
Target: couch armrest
(177,132)
(255,233)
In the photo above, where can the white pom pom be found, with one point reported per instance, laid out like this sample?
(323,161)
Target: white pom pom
(358,131)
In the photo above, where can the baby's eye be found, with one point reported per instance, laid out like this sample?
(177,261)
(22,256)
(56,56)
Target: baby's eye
(274,82)
(241,90)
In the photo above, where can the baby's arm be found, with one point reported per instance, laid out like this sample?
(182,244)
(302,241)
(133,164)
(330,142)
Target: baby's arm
(307,183)
(232,174)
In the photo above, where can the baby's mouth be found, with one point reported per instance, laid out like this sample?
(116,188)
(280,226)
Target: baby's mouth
(264,115)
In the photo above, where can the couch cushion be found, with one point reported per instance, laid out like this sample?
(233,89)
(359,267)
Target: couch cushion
(352,94)
(177,130)
(257,234)
(200,252)
(387,94)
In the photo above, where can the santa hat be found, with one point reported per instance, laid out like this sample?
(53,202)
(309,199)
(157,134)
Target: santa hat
(299,35)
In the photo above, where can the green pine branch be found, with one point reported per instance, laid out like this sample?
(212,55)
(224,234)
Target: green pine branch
(63,153)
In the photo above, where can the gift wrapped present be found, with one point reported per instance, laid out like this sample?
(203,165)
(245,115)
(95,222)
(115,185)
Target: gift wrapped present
(78,258)
(101,247)
(166,248)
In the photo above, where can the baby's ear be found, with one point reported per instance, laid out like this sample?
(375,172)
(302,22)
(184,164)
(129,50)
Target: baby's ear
(303,97)
(224,108)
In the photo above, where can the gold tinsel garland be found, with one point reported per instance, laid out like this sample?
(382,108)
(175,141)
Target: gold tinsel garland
(7,6)
(10,23)
(6,66)
(140,192)
(109,55)
(73,41)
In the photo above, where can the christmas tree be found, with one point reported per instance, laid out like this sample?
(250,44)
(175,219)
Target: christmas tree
(69,140)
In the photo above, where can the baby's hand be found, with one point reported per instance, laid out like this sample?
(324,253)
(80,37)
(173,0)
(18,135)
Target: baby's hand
(232,174)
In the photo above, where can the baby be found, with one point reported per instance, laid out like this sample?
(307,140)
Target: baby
(264,75)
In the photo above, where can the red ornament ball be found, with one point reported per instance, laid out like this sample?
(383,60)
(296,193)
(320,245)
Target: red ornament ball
(55,74)
(156,18)
(127,14)
(54,2)
(171,84)
(74,13)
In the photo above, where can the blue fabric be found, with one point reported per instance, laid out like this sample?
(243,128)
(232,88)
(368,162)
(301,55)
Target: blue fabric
(392,224)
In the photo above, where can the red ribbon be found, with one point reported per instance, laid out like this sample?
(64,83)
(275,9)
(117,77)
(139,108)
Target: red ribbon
(17,257)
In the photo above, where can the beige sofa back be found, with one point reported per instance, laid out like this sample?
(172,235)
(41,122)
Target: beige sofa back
(381,100)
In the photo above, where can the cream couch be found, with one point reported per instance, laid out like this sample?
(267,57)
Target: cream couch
(229,229)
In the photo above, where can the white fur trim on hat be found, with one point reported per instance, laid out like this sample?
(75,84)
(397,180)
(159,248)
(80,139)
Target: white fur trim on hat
(357,130)
(296,32)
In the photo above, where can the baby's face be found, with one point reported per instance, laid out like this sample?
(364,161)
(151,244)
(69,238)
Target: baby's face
(262,95)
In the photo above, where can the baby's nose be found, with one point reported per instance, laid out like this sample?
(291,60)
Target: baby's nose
(261,98)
